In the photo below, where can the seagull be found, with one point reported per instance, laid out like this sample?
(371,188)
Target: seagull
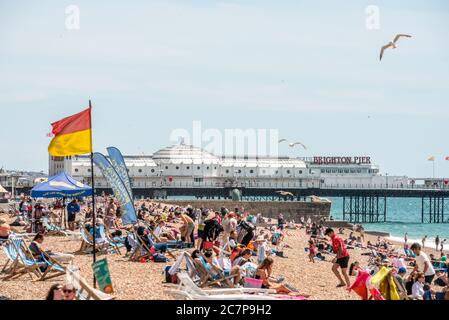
(392,44)
(285,193)
(292,144)
(295,143)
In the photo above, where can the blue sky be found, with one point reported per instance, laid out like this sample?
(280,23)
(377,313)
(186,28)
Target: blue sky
(307,68)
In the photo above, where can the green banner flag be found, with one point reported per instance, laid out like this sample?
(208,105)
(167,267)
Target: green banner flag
(101,271)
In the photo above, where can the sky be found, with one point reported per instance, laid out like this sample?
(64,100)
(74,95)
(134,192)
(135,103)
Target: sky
(309,69)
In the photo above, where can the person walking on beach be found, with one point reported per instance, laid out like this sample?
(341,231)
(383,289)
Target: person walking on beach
(341,259)
(442,245)
(437,242)
(423,241)
(405,237)
(423,263)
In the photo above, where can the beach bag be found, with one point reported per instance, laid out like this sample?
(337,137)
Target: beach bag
(159,258)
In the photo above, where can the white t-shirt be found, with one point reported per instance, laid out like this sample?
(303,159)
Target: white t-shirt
(420,262)
(418,290)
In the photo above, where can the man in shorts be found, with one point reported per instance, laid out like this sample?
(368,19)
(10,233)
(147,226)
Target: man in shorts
(341,259)
(73,208)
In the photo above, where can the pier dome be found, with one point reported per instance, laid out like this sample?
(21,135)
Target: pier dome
(186,154)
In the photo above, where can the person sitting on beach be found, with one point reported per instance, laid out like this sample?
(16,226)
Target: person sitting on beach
(341,259)
(69,292)
(55,292)
(423,263)
(162,232)
(5,229)
(145,237)
(213,267)
(244,257)
(418,286)
(399,280)
(264,273)
(37,251)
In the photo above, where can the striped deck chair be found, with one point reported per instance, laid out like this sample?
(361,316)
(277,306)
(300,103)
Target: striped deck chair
(87,242)
(52,266)
(115,246)
(22,264)
(51,228)
(83,290)
(140,249)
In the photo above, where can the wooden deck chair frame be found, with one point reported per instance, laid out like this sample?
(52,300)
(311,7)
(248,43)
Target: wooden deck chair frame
(52,265)
(158,240)
(139,252)
(87,244)
(85,291)
(201,268)
(22,264)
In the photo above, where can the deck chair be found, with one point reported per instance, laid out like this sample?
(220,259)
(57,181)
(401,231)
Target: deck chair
(52,229)
(207,278)
(84,290)
(52,266)
(187,289)
(140,249)
(21,264)
(87,243)
(109,241)
(171,251)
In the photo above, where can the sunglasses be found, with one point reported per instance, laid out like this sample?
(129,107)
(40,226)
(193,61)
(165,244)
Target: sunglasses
(67,291)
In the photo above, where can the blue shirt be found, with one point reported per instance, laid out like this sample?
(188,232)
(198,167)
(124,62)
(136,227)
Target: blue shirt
(73,208)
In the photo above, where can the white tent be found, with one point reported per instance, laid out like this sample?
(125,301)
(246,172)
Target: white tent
(2,190)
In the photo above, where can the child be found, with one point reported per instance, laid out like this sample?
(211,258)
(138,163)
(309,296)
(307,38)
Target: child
(312,251)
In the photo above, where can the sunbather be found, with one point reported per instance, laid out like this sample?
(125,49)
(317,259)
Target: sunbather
(264,271)
(5,229)
(212,265)
(36,250)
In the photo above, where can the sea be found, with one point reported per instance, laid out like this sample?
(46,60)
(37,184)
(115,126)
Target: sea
(403,215)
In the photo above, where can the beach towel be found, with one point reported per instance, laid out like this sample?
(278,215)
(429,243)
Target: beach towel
(359,285)
(380,276)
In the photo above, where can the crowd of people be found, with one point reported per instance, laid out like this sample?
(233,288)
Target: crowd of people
(416,275)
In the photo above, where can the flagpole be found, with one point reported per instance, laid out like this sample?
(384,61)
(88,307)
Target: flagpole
(93,195)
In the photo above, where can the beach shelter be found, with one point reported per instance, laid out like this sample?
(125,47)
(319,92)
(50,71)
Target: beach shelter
(61,186)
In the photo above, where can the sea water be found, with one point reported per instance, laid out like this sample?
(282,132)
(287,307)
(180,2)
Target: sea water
(403,215)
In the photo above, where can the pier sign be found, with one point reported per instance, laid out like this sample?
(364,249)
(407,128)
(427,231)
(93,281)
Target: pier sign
(341,160)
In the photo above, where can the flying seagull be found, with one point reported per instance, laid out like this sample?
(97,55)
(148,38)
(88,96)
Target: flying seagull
(392,44)
(285,193)
(295,143)
(292,144)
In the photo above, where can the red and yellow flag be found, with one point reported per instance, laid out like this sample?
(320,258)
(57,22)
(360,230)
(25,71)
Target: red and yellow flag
(72,135)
